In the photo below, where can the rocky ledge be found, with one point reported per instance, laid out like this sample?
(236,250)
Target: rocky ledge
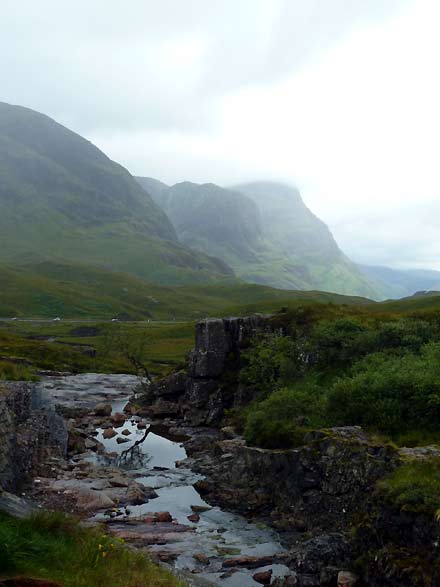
(201,394)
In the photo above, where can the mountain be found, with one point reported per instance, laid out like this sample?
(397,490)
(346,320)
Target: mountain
(221,222)
(264,231)
(62,199)
(399,283)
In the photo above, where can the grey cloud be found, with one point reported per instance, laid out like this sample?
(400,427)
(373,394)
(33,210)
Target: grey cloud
(96,65)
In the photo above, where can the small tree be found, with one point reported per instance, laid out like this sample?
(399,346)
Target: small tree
(130,345)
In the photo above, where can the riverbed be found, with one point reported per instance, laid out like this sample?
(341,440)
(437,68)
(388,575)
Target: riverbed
(212,535)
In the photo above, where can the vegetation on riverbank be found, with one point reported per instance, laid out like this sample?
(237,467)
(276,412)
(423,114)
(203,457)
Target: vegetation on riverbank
(343,367)
(415,486)
(26,347)
(56,547)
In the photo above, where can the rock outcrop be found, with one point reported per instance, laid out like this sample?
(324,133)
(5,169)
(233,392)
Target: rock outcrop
(317,487)
(201,394)
(30,429)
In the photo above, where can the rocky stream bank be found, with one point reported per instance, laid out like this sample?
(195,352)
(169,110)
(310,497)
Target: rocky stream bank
(166,476)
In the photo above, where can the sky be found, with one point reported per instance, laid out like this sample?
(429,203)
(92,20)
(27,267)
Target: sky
(339,97)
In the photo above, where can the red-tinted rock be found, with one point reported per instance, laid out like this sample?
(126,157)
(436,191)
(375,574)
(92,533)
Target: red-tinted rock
(194,518)
(264,577)
(164,517)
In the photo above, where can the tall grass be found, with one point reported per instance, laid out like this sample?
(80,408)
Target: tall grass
(55,546)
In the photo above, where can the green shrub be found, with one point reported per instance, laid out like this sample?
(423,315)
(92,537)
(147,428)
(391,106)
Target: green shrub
(393,394)
(284,417)
(271,361)
(415,486)
(15,372)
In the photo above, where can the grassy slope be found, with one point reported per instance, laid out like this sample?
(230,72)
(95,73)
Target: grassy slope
(75,291)
(57,548)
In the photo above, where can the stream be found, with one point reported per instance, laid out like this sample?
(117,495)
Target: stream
(218,534)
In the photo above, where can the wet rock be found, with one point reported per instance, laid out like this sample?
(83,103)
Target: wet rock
(138,494)
(347,579)
(248,562)
(121,440)
(194,518)
(126,432)
(166,556)
(90,500)
(118,420)
(164,517)
(199,509)
(201,558)
(91,444)
(163,409)
(264,577)
(109,433)
(142,426)
(119,481)
(103,409)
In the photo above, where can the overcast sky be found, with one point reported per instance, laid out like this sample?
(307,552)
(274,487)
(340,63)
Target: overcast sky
(340,97)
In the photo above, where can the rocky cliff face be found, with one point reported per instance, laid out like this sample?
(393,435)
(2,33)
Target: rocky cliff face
(317,487)
(201,394)
(29,430)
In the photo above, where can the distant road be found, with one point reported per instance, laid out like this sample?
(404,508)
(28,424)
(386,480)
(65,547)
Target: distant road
(92,320)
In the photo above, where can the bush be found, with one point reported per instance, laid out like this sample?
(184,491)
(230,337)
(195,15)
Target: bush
(284,417)
(392,394)
(415,486)
(271,362)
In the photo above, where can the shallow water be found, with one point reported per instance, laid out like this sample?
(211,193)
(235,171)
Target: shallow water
(218,534)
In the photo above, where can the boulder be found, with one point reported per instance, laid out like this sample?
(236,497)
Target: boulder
(163,517)
(138,494)
(347,579)
(264,577)
(118,418)
(109,433)
(103,409)
(90,500)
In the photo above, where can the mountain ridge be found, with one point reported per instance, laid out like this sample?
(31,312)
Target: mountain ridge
(61,198)
(298,254)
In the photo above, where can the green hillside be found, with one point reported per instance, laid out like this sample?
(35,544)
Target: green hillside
(62,199)
(74,291)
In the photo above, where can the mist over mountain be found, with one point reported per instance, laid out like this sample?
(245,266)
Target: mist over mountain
(61,198)
(399,283)
(221,222)
(264,231)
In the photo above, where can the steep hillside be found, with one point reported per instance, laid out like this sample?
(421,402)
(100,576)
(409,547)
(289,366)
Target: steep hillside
(398,283)
(61,198)
(264,232)
(210,219)
(307,252)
